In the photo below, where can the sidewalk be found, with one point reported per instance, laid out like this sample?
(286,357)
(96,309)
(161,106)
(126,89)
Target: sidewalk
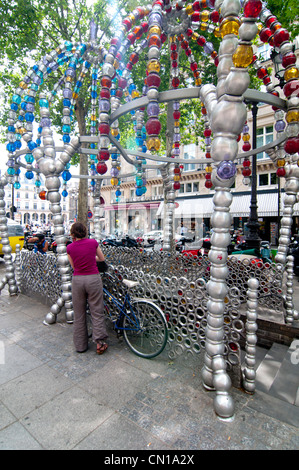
(54,398)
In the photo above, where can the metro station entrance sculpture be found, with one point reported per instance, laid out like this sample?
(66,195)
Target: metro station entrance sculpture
(113,93)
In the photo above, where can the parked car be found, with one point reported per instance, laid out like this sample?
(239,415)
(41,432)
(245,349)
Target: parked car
(152,236)
(15,235)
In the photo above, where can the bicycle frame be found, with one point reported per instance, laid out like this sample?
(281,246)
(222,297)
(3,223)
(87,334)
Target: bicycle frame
(122,308)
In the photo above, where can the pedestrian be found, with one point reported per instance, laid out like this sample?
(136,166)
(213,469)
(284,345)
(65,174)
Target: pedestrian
(40,243)
(83,254)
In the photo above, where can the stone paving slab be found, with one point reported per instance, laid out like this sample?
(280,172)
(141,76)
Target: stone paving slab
(53,398)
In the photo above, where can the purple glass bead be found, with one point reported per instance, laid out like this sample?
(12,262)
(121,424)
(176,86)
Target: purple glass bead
(279,126)
(37,80)
(208,48)
(176,105)
(53,65)
(30,107)
(67,93)
(104,105)
(176,151)
(154,18)
(70,72)
(245,129)
(208,141)
(177,138)
(153,109)
(226,170)
(114,172)
(45,122)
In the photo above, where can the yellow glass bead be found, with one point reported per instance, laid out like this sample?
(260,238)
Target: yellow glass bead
(132,18)
(153,66)
(243,56)
(292,116)
(205,15)
(246,137)
(58,50)
(93,117)
(176,178)
(217,32)
(209,169)
(189,9)
(281,163)
(69,78)
(172,38)
(195,36)
(198,81)
(23,85)
(230,27)
(203,26)
(116,64)
(114,132)
(290,73)
(176,123)
(114,181)
(75,96)
(153,143)
(154,30)
(135,94)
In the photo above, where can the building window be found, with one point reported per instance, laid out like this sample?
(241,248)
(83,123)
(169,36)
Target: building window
(273,178)
(263,179)
(264,52)
(264,135)
(196,187)
(189,154)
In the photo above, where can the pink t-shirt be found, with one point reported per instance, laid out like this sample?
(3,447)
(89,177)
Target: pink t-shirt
(83,254)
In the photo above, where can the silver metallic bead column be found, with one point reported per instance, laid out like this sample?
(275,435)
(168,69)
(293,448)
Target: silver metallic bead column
(18,268)
(96,209)
(291,190)
(169,205)
(289,304)
(51,169)
(251,338)
(9,277)
(214,371)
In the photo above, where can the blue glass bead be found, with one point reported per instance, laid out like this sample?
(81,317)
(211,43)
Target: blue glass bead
(29,158)
(37,183)
(24,105)
(67,166)
(18,144)
(11,147)
(139,192)
(66,138)
(17,185)
(31,145)
(117,193)
(44,103)
(66,129)
(29,117)
(10,171)
(29,175)
(92,183)
(64,193)
(14,107)
(66,175)
(17,99)
(66,102)
(11,129)
(94,94)
(68,45)
(38,142)
(18,171)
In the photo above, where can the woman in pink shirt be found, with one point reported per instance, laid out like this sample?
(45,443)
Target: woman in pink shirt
(83,255)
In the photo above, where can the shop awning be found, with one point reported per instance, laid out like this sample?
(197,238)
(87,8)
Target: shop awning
(267,206)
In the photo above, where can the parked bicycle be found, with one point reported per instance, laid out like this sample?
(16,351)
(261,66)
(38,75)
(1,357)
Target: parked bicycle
(140,320)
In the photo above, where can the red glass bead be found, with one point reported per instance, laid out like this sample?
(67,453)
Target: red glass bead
(105,93)
(184,44)
(201,41)
(265,34)
(144,26)
(178,7)
(119,93)
(153,80)
(106,82)
(173,46)
(266,80)
(176,145)
(262,72)
(122,83)
(174,64)
(134,58)
(270,21)
(216,61)
(153,126)
(174,55)
(129,66)
(138,31)
(104,128)
(163,37)
(280,36)
(177,171)
(252,8)
(154,41)
(127,23)
(246,147)
(246,163)
(214,16)
(176,115)
(291,88)
(189,32)
(208,176)
(208,155)
(196,6)
(246,172)
(176,186)
(115,42)
(207,132)
(175,82)
(288,59)
(281,171)
(208,184)
(131,37)
(102,168)
(195,17)
(103,155)
(292,145)
(43,195)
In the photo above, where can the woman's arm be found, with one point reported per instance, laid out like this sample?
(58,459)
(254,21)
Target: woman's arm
(71,261)
(99,255)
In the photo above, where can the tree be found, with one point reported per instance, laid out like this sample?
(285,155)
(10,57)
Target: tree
(287,12)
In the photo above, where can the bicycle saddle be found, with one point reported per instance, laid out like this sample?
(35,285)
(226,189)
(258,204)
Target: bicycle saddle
(129,283)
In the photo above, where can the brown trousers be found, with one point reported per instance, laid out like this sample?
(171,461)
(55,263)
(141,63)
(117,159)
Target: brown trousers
(88,288)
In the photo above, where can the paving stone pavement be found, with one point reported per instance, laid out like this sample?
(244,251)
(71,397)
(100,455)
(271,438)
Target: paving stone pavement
(53,398)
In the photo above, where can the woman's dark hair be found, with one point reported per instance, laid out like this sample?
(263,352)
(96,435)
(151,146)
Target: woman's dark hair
(78,230)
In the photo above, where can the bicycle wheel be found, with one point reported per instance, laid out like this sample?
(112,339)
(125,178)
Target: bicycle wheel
(145,329)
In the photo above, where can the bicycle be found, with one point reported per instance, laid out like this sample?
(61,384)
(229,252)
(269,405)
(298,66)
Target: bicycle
(140,320)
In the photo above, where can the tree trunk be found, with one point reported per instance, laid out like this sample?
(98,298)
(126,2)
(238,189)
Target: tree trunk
(83,182)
